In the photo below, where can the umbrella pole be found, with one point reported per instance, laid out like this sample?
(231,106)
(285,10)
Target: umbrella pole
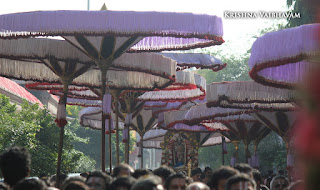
(141,149)
(110,152)
(117,130)
(59,155)
(127,147)
(222,144)
(103,119)
(61,122)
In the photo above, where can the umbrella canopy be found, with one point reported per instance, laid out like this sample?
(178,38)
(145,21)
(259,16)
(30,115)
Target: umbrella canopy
(280,58)
(249,95)
(188,86)
(199,113)
(153,138)
(99,30)
(91,117)
(198,60)
(105,35)
(9,87)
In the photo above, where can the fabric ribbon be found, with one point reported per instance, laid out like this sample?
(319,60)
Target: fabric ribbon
(61,115)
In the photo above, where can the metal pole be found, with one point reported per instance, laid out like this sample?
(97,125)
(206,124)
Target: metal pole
(88,5)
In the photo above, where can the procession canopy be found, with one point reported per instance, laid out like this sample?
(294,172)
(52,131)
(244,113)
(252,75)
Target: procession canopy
(92,31)
(282,58)
(91,117)
(197,60)
(188,86)
(249,95)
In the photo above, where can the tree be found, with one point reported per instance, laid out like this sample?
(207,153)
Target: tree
(308,12)
(34,128)
(271,151)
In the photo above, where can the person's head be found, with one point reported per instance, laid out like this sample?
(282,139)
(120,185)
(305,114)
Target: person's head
(196,175)
(197,186)
(53,180)
(30,184)
(73,178)
(141,172)
(207,172)
(220,176)
(244,168)
(122,170)
(164,172)
(15,164)
(98,180)
(123,183)
(148,183)
(75,185)
(176,182)
(279,182)
(240,181)
(257,177)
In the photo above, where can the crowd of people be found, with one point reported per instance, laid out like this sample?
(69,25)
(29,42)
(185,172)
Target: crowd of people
(15,168)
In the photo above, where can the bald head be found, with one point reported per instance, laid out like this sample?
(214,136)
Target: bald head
(197,186)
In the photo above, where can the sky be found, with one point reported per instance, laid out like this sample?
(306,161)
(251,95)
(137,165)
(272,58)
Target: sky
(237,32)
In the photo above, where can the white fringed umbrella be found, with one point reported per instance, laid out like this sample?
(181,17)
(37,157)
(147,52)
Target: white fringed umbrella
(188,86)
(249,95)
(274,106)
(153,138)
(104,35)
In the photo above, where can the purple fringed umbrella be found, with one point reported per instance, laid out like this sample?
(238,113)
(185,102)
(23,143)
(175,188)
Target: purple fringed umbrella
(197,60)
(199,113)
(105,35)
(282,58)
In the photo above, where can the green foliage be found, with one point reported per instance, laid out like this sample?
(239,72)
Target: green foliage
(16,128)
(308,13)
(271,151)
(35,129)
(237,69)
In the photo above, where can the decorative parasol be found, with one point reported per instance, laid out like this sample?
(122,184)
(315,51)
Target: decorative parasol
(246,128)
(61,66)
(249,95)
(197,60)
(267,101)
(9,87)
(188,86)
(199,113)
(281,122)
(114,32)
(153,138)
(282,58)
